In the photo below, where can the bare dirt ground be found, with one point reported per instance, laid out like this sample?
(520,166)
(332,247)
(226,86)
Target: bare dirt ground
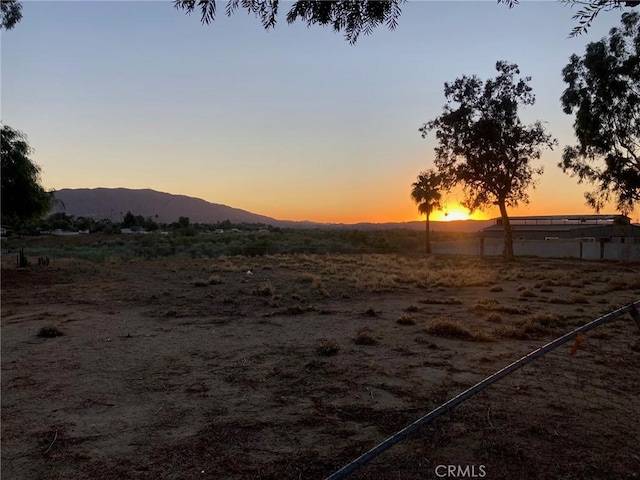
(181,369)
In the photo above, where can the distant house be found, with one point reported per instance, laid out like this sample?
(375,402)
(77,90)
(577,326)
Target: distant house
(588,228)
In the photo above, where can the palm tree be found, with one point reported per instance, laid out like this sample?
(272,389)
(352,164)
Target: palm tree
(426,193)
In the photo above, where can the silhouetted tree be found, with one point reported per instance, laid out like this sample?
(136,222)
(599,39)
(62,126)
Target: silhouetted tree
(129,220)
(183,222)
(10,13)
(483,145)
(85,223)
(590,10)
(426,193)
(23,198)
(363,16)
(348,16)
(604,93)
(150,225)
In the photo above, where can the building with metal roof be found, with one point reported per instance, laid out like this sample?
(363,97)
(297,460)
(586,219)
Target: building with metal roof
(589,228)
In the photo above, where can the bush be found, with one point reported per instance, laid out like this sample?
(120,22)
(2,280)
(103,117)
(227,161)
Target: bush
(365,337)
(406,319)
(448,328)
(328,348)
(49,331)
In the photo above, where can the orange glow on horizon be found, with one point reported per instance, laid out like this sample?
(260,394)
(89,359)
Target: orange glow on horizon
(455,211)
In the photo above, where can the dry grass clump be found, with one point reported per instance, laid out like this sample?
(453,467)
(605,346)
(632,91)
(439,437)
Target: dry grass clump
(470,276)
(496,288)
(441,301)
(214,280)
(559,300)
(513,309)
(481,336)
(307,277)
(50,331)
(448,328)
(375,281)
(406,319)
(485,304)
(328,348)
(265,289)
(527,293)
(370,312)
(365,337)
(578,298)
(539,324)
(491,305)
(224,264)
(316,281)
(413,308)
(616,284)
(494,317)
(570,300)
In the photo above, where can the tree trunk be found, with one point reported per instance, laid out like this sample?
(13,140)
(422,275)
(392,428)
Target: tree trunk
(427,241)
(507,253)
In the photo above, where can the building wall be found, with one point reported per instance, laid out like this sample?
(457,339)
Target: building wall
(528,232)
(567,248)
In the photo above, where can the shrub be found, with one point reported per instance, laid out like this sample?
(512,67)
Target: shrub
(328,348)
(441,301)
(448,328)
(49,331)
(308,277)
(405,319)
(365,337)
(370,312)
(578,298)
(559,300)
(265,289)
(527,293)
(539,324)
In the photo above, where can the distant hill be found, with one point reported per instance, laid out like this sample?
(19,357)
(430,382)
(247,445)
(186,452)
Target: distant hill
(111,203)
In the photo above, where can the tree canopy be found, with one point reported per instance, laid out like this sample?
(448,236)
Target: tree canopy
(604,93)
(352,18)
(425,191)
(348,16)
(357,17)
(10,13)
(482,144)
(23,198)
(590,9)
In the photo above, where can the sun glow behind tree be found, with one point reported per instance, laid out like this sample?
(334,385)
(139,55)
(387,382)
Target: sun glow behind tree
(454,211)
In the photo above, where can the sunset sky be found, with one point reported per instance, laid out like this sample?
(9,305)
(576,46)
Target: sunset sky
(294,123)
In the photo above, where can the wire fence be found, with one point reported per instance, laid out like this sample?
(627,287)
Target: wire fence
(566,410)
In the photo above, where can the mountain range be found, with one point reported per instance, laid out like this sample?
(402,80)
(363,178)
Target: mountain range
(114,203)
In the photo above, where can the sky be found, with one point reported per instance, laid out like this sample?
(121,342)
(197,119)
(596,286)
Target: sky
(292,123)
